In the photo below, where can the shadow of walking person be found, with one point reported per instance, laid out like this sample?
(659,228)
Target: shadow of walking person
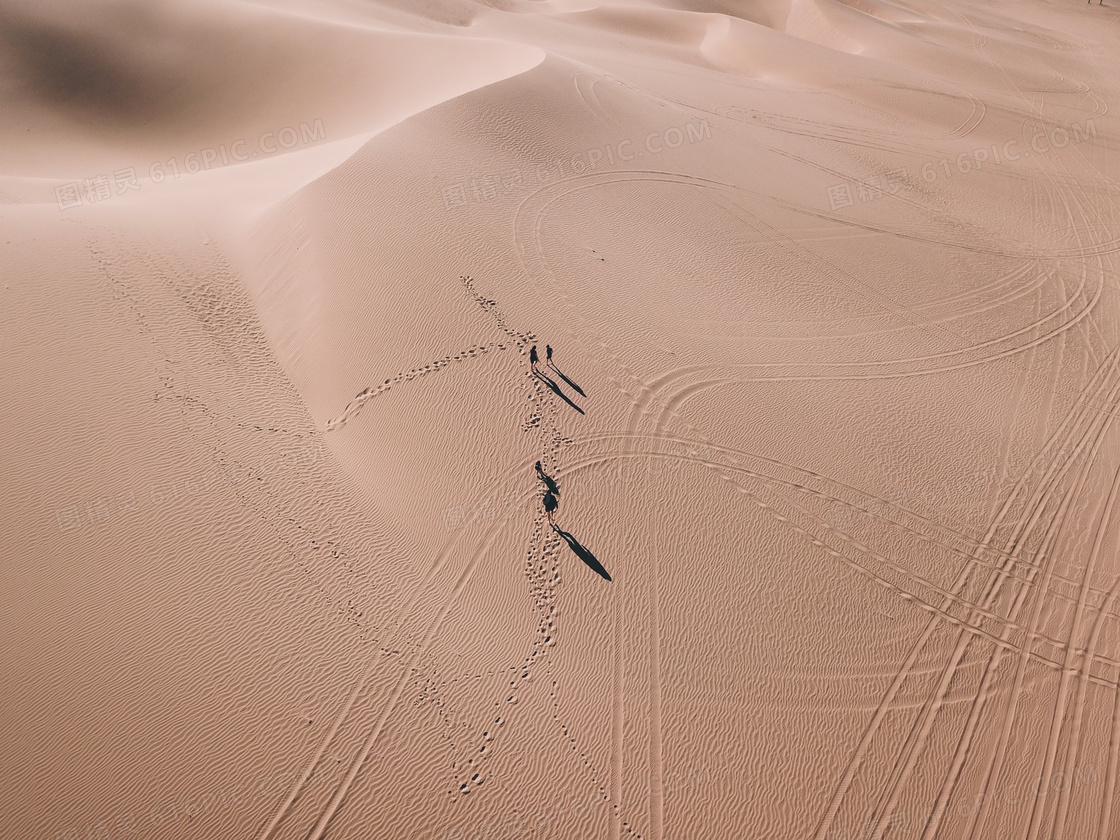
(560,373)
(548,480)
(556,390)
(582,553)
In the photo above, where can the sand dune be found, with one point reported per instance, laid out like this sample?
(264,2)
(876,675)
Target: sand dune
(832,293)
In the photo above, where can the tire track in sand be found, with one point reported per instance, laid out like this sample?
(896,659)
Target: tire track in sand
(1073,418)
(533,258)
(979,815)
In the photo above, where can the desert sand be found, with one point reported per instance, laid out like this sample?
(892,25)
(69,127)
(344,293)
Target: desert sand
(833,298)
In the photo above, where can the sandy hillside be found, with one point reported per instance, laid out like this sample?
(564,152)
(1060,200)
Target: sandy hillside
(833,295)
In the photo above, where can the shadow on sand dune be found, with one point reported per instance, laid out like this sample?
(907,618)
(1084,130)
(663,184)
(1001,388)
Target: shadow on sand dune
(560,373)
(556,390)
(582,553)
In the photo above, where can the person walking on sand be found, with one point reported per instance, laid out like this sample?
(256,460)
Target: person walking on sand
(548,353)
(549,482)
(533,358)
(550,504)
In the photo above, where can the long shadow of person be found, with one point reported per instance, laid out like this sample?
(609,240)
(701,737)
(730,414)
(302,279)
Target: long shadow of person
(556,390)
(560,373)
(581,552)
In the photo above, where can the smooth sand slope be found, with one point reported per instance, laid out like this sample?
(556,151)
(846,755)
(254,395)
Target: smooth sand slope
(833,294)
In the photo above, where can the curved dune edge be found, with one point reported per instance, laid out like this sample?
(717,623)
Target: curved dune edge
(269,179)
(218,76)
(830,415)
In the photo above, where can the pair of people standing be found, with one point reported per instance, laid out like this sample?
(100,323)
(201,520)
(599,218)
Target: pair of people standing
(534,358)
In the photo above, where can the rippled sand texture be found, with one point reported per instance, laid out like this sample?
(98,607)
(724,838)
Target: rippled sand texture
(833,293)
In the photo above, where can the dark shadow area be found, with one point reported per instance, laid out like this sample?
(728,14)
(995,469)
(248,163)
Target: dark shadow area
(582,553)
(548,480)
(556,390)
(560,373)
(129,65)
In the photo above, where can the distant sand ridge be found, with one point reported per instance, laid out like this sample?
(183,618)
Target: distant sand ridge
(830,430)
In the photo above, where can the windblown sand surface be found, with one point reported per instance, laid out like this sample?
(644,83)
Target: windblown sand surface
(838,284)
